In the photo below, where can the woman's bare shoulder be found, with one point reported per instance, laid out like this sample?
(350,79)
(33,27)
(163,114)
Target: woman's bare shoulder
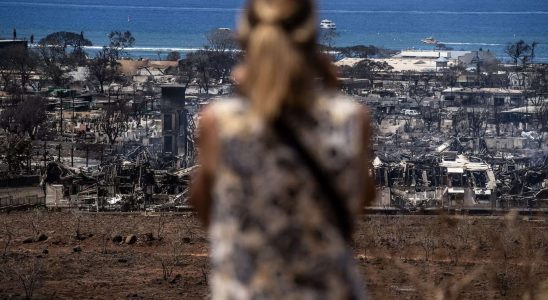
(230,115)
(223,106)
(342,106)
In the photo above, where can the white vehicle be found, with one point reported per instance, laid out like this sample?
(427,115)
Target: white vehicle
(410,112)
(328,24)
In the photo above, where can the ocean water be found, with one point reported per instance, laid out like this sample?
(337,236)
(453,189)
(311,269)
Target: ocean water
(159,26)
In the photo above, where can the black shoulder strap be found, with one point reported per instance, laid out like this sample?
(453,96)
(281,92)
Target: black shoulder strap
(333,198)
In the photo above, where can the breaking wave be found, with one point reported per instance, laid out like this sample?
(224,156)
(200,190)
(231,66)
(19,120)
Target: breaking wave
(225,9)
(150,49)
(473,44)
(49,4)
(438,12)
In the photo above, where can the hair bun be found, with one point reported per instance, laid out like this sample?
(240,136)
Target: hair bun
(296,17)
(282,61)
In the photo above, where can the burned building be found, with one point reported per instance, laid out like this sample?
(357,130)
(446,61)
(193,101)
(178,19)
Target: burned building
(173,112)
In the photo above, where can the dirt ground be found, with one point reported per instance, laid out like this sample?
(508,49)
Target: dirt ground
(73,255)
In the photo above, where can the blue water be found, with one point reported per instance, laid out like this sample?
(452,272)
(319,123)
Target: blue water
(396,24)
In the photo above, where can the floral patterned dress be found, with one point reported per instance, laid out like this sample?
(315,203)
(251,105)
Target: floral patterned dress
(271,234)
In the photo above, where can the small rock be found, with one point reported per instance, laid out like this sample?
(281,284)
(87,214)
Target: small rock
(28,241)
(77,249)
(46,251)
(117,239)
(149,237)
(122,260)
(131,239)
(176,278)
(186,240)
(42,237)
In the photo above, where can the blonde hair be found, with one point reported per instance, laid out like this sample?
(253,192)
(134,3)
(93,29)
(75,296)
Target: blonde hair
(282,58)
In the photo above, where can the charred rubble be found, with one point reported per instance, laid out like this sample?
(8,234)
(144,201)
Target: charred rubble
(135,181)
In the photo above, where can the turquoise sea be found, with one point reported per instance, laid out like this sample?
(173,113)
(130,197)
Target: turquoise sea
(159,26)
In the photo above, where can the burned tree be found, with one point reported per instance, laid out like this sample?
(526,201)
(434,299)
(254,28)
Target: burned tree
(24,118)
(477,123)
(221,52)
(430,117)
(173,56)
(103,68)
(186,72)
(15,151)
(61,40)
(53,63)
(114,121)
(519,51)
(119,41)
(16,65)
(418,87)
(542,116)
(202,66)
(327,38)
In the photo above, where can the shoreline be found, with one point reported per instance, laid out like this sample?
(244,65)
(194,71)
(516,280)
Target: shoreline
(153,52)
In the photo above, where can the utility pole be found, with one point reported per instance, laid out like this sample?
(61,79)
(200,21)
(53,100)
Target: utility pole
(146,123)
(45,157)
(102,149)
(61,122)
(29,158)
(97,201)
(73,114)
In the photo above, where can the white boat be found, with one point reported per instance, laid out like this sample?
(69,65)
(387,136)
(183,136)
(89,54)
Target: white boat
(430,41)
(328,24)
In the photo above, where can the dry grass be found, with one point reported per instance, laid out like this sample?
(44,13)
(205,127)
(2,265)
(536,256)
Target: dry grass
(401,257)
(454,257)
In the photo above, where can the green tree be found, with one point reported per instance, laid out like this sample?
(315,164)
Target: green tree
(367,69)
(362,51)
